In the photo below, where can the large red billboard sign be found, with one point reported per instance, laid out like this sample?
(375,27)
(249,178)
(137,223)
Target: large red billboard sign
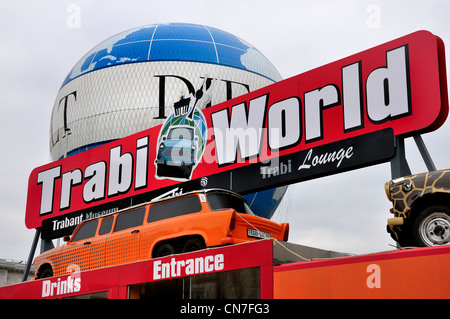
(337,117)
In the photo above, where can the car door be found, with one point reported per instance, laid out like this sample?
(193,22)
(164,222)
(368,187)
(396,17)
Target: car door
(122,246)
(76,254)
(98,244)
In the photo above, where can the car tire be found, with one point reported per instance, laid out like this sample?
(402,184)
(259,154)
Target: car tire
(164,250)
(432,226)
(47,272)
(193,244)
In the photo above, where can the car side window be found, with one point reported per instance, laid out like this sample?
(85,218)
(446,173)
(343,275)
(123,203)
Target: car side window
(175,207)
(105,226)
(86,231)
(219,201)
(129,219)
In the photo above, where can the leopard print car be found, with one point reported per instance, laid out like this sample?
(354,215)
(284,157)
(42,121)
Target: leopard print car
(421,208)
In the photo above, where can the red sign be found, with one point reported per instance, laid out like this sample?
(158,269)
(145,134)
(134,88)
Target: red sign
(399,86)
(117,280)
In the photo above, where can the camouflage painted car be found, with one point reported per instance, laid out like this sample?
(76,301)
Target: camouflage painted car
(421,208)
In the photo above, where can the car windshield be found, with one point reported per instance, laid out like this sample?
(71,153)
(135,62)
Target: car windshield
(219,200)
(181,133)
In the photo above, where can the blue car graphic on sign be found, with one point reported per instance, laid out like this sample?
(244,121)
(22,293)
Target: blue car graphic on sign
(182,138)
(177,152)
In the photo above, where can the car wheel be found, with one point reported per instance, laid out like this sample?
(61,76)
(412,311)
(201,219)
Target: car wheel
(164,250)
(193,244)
(432,226)
(45,273)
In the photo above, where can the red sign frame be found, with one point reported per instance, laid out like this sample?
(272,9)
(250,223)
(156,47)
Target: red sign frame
(400,85)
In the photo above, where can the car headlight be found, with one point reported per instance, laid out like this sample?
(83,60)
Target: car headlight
(387,189)
(161,146)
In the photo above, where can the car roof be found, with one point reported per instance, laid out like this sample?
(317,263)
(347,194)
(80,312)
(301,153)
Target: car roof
(170,197)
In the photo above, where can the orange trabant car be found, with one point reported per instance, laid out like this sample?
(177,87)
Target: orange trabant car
(184,223)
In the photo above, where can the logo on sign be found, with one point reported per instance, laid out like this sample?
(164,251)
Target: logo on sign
(182,138)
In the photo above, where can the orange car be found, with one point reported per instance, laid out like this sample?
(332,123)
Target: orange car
(179,224)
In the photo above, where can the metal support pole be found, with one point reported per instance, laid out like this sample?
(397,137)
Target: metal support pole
(399,164)
(31,254)
(424,152)
(46,245)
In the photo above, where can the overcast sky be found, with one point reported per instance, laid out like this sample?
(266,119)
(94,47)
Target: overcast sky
(41,43)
